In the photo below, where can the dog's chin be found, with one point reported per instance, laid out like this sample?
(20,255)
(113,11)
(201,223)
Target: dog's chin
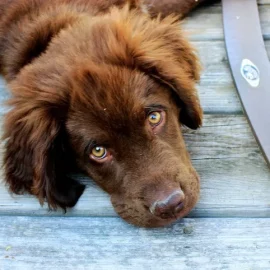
(136,213)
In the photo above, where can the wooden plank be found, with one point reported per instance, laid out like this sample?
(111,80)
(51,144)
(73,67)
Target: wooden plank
(109,243)
(216,88)
(4,94)
(260,2)
(264,2)
(234,177)
(206,23)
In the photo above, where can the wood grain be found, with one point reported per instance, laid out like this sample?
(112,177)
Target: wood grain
(109,243)
(206,23)
(264,2)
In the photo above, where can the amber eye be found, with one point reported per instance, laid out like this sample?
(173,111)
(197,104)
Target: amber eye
(154,118)
(99,152)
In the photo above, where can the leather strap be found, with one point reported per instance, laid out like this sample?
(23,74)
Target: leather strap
(249,65)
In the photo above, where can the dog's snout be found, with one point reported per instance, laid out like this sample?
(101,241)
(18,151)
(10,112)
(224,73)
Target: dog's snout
(169,206)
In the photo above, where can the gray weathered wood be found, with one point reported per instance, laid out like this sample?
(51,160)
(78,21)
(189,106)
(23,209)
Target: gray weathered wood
(4,94)
(111,244)
(206,24)
(263,2)
(234,176)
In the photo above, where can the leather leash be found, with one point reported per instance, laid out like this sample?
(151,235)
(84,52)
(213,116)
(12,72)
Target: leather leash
(249,65)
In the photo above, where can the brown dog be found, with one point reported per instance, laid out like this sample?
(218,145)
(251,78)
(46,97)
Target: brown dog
(102,85)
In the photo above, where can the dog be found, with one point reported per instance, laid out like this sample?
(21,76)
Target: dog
(104,86)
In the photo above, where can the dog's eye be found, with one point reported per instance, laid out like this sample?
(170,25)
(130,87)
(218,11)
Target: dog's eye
(98,152)
(155,118)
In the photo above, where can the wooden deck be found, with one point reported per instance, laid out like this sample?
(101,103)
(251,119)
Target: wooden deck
(229,228)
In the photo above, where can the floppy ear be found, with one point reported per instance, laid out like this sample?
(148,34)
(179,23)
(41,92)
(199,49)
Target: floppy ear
(165,54)
(35,153)
(160,49)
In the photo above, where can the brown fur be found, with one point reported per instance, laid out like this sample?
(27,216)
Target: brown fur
(82,72)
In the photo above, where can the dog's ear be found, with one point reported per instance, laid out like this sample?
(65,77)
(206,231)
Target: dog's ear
(35,158)
(166,55)
(159,48)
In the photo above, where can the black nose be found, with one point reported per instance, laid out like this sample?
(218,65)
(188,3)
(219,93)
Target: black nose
(170,206)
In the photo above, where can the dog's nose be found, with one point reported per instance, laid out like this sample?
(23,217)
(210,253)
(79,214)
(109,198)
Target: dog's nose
(170,206)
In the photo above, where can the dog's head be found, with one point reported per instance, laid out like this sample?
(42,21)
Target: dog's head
(119,112)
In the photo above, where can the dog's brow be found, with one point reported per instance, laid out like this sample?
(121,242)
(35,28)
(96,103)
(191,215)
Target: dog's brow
(154,107)
(90,145)
(95,142)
